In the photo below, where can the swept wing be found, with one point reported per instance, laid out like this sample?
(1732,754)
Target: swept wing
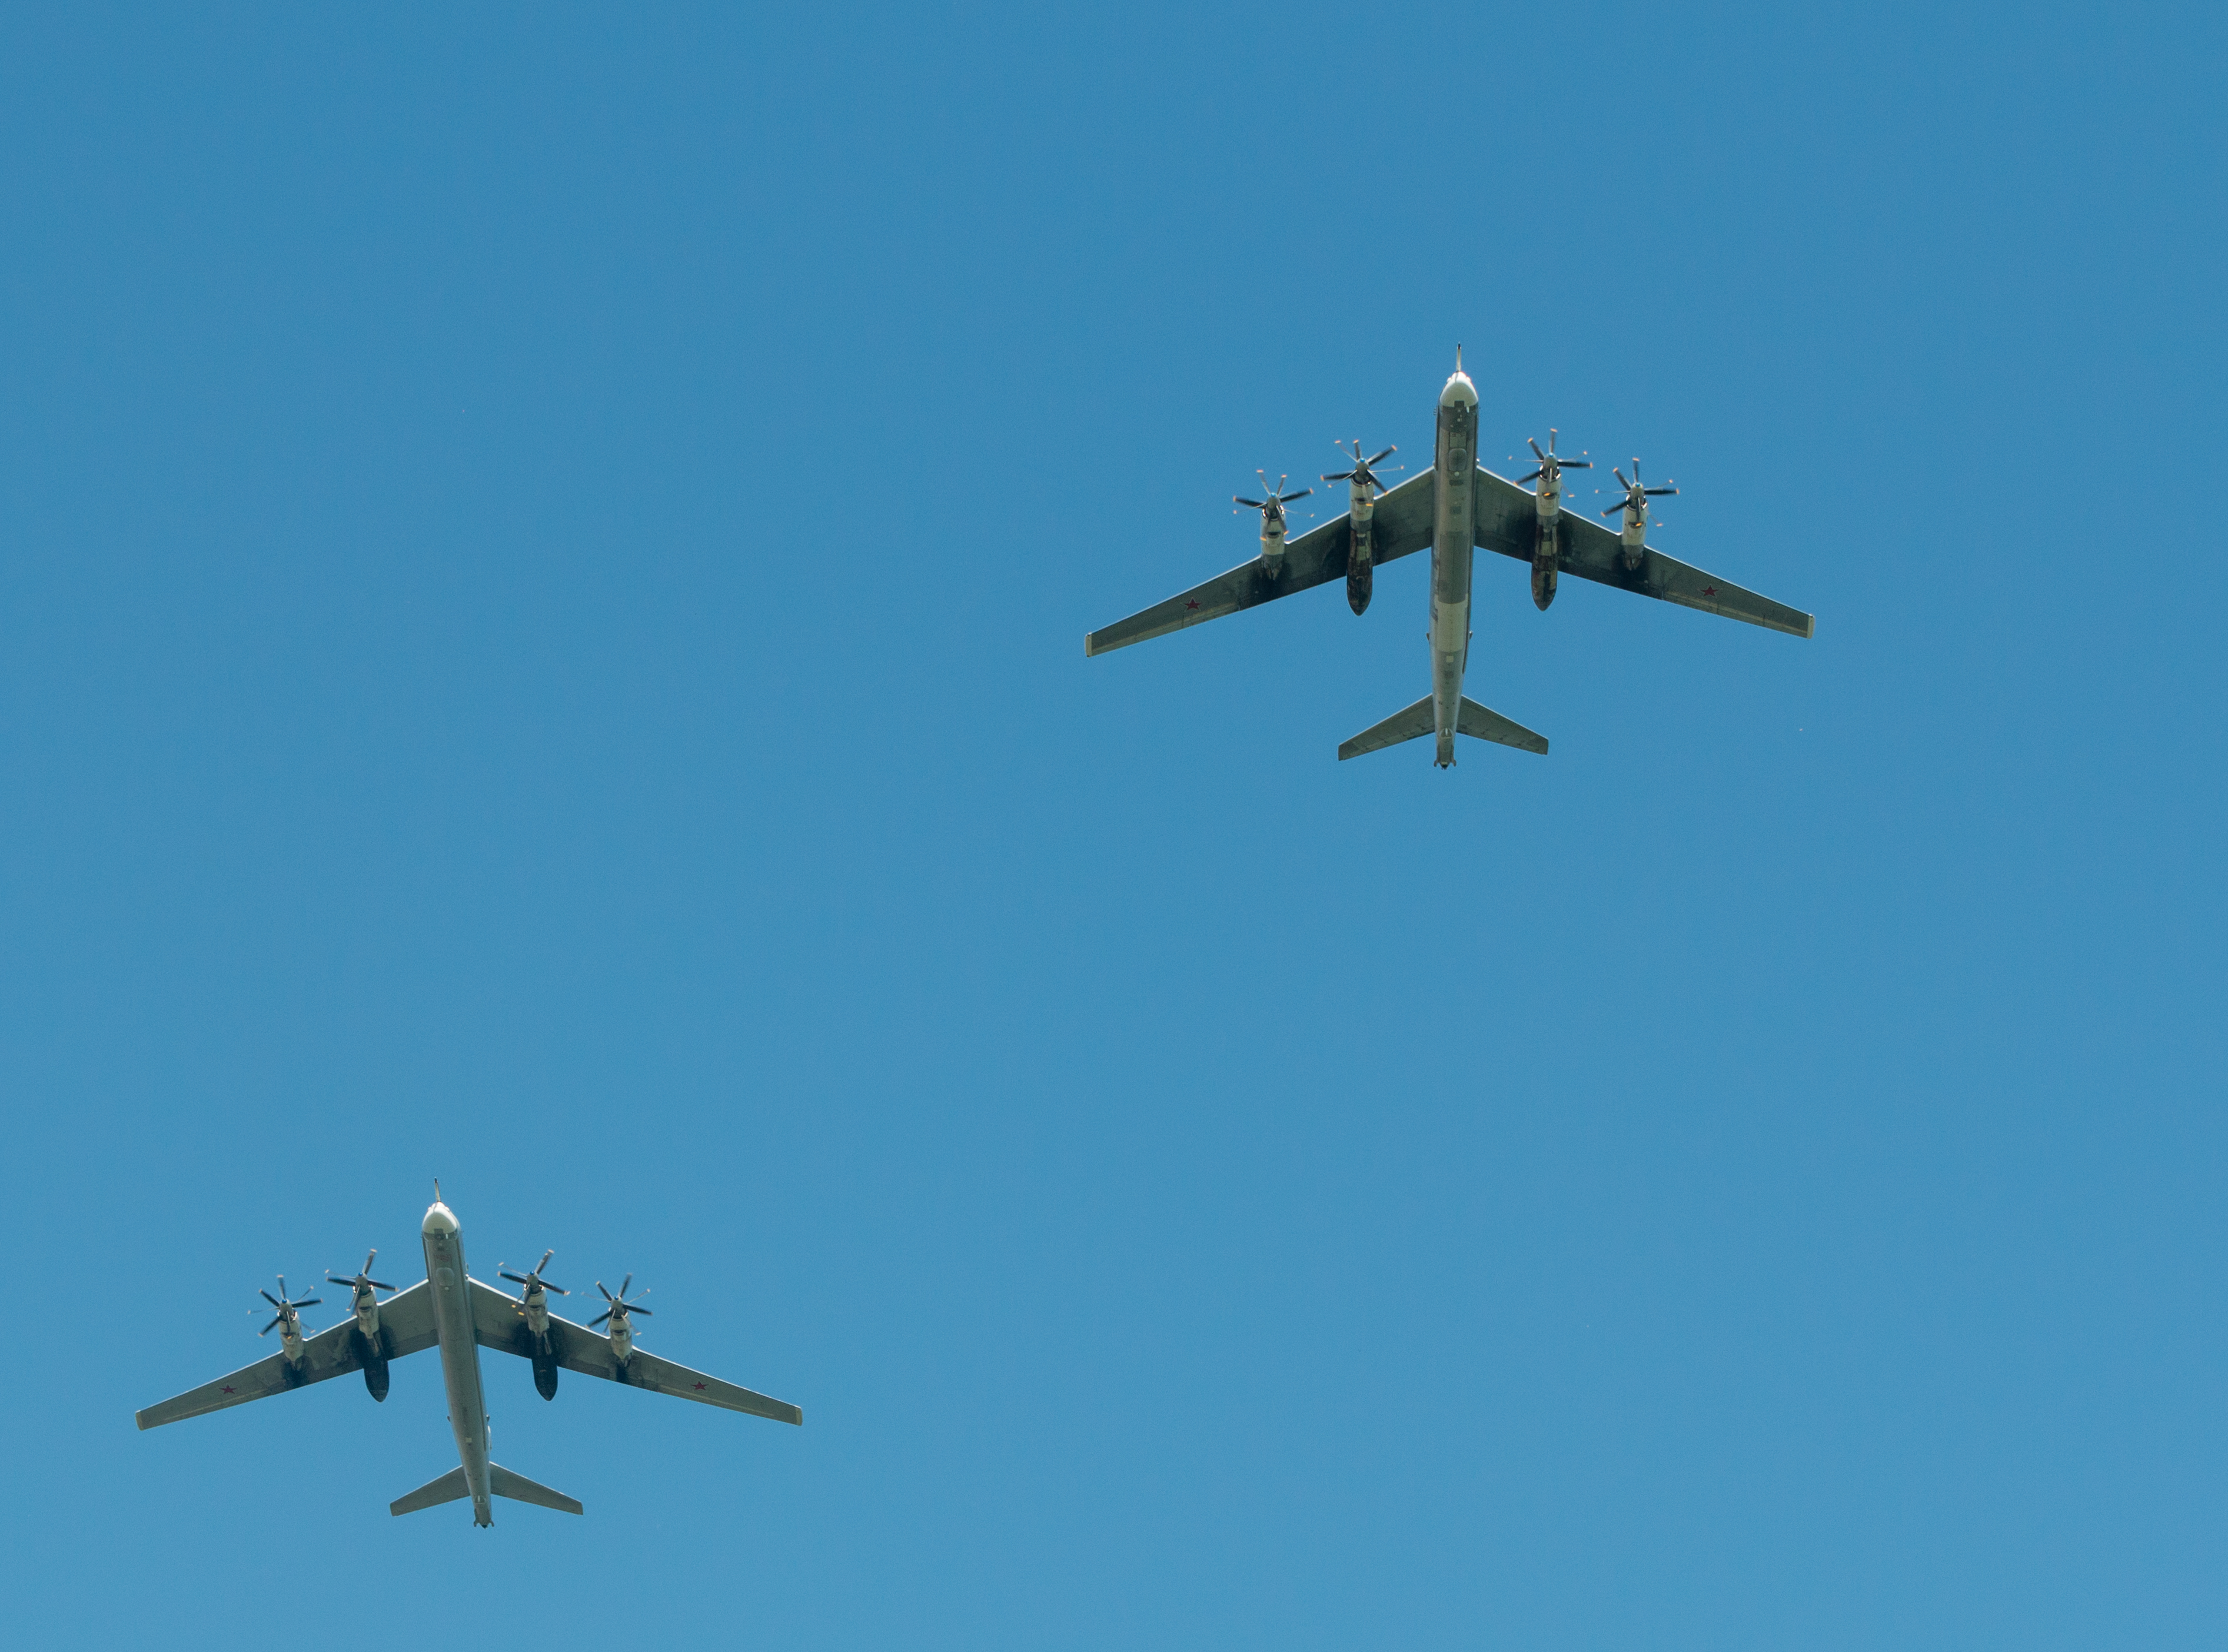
(1401,525)
(1505,516)
(499,1321)
(405,1323)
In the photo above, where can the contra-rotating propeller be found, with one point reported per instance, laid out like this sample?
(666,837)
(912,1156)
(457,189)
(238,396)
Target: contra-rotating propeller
(1365,469)
(357,1282)
(287,1308)
(1273,507)
(1635,496)
(1553,464)
(532,1276)
(620,1304)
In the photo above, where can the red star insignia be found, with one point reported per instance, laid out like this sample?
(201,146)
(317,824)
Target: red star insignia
(699,1387)
(1710,591)
(1191,604)
(227,1387)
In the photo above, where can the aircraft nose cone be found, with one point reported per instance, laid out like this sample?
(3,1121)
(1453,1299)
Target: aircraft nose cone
(1459,391)
(439,1220)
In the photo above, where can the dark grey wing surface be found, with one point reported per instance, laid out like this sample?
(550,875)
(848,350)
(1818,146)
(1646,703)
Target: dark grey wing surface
(1507,518)
(405,1323)
(499,1322)
(1401,524)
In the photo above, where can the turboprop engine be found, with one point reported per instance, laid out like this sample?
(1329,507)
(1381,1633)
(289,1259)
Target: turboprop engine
(287,1320)
(1272,519)
(620,1313)
(534,1307)
(372,1344)
(1547,504)
(1362,489)
(1634,507)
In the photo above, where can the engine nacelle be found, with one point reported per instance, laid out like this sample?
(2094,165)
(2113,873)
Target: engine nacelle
(1359,572)
(374,1377)
(545,1376)
(1635,540)
(1272,542)
(1548,540)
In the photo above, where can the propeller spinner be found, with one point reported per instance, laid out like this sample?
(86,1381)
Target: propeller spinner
(620,1306)
(360,1281)
(1635,496)
(1364,473)
(289,1310)
(1272,508)
(1551,464)
(532,1279)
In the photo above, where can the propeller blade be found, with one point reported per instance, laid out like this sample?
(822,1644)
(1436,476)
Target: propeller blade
(1619,475)
(636,1308)
(1576,464)
(1386,454)
(382,1283)
(1656,492)
(520,1277)
(599,1286)
(1342,475)
(597,1320)
(266,1331)
(544,1263)
(559,1289)
(1536,453)
(1256,503)
(1287,498)
(1534,477)
(1612,510)
(370,1256)
(623,1283)
(268,1297)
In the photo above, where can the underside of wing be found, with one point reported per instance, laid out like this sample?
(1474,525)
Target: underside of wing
(1401,524)
(499,1321)
(406,1327)
(1506,519)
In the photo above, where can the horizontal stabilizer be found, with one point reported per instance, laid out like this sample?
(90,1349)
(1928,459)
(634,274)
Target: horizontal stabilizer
(1411,724)
(1418,721)
(519,1489)
(450,1487)
(1481,724)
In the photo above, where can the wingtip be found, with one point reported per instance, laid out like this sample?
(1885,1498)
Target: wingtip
(1809,626)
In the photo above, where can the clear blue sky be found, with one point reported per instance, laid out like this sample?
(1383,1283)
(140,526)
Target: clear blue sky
(543,566)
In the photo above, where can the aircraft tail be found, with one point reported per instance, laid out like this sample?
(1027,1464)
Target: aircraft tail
(501,1481)
(446,1489)
(1418,721)
(519,1489)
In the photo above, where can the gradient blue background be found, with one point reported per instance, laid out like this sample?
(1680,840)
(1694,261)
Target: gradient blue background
(544,564)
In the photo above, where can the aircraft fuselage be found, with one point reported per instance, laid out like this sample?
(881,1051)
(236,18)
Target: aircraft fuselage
(1454,463)
(460,1352)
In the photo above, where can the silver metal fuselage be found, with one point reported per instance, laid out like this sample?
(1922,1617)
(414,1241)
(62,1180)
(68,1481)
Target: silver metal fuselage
(460,1352)
(1455,460)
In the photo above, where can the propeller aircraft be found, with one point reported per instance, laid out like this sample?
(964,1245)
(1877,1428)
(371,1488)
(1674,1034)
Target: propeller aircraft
(1455,508)
(451,1310)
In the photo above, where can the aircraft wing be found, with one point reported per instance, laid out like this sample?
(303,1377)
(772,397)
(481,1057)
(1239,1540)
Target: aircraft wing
(1401,524)
(406,1322)
(1508,519)
(499,1321)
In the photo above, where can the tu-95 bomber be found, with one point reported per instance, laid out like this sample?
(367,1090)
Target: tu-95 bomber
(1454,507)
(452,1311)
